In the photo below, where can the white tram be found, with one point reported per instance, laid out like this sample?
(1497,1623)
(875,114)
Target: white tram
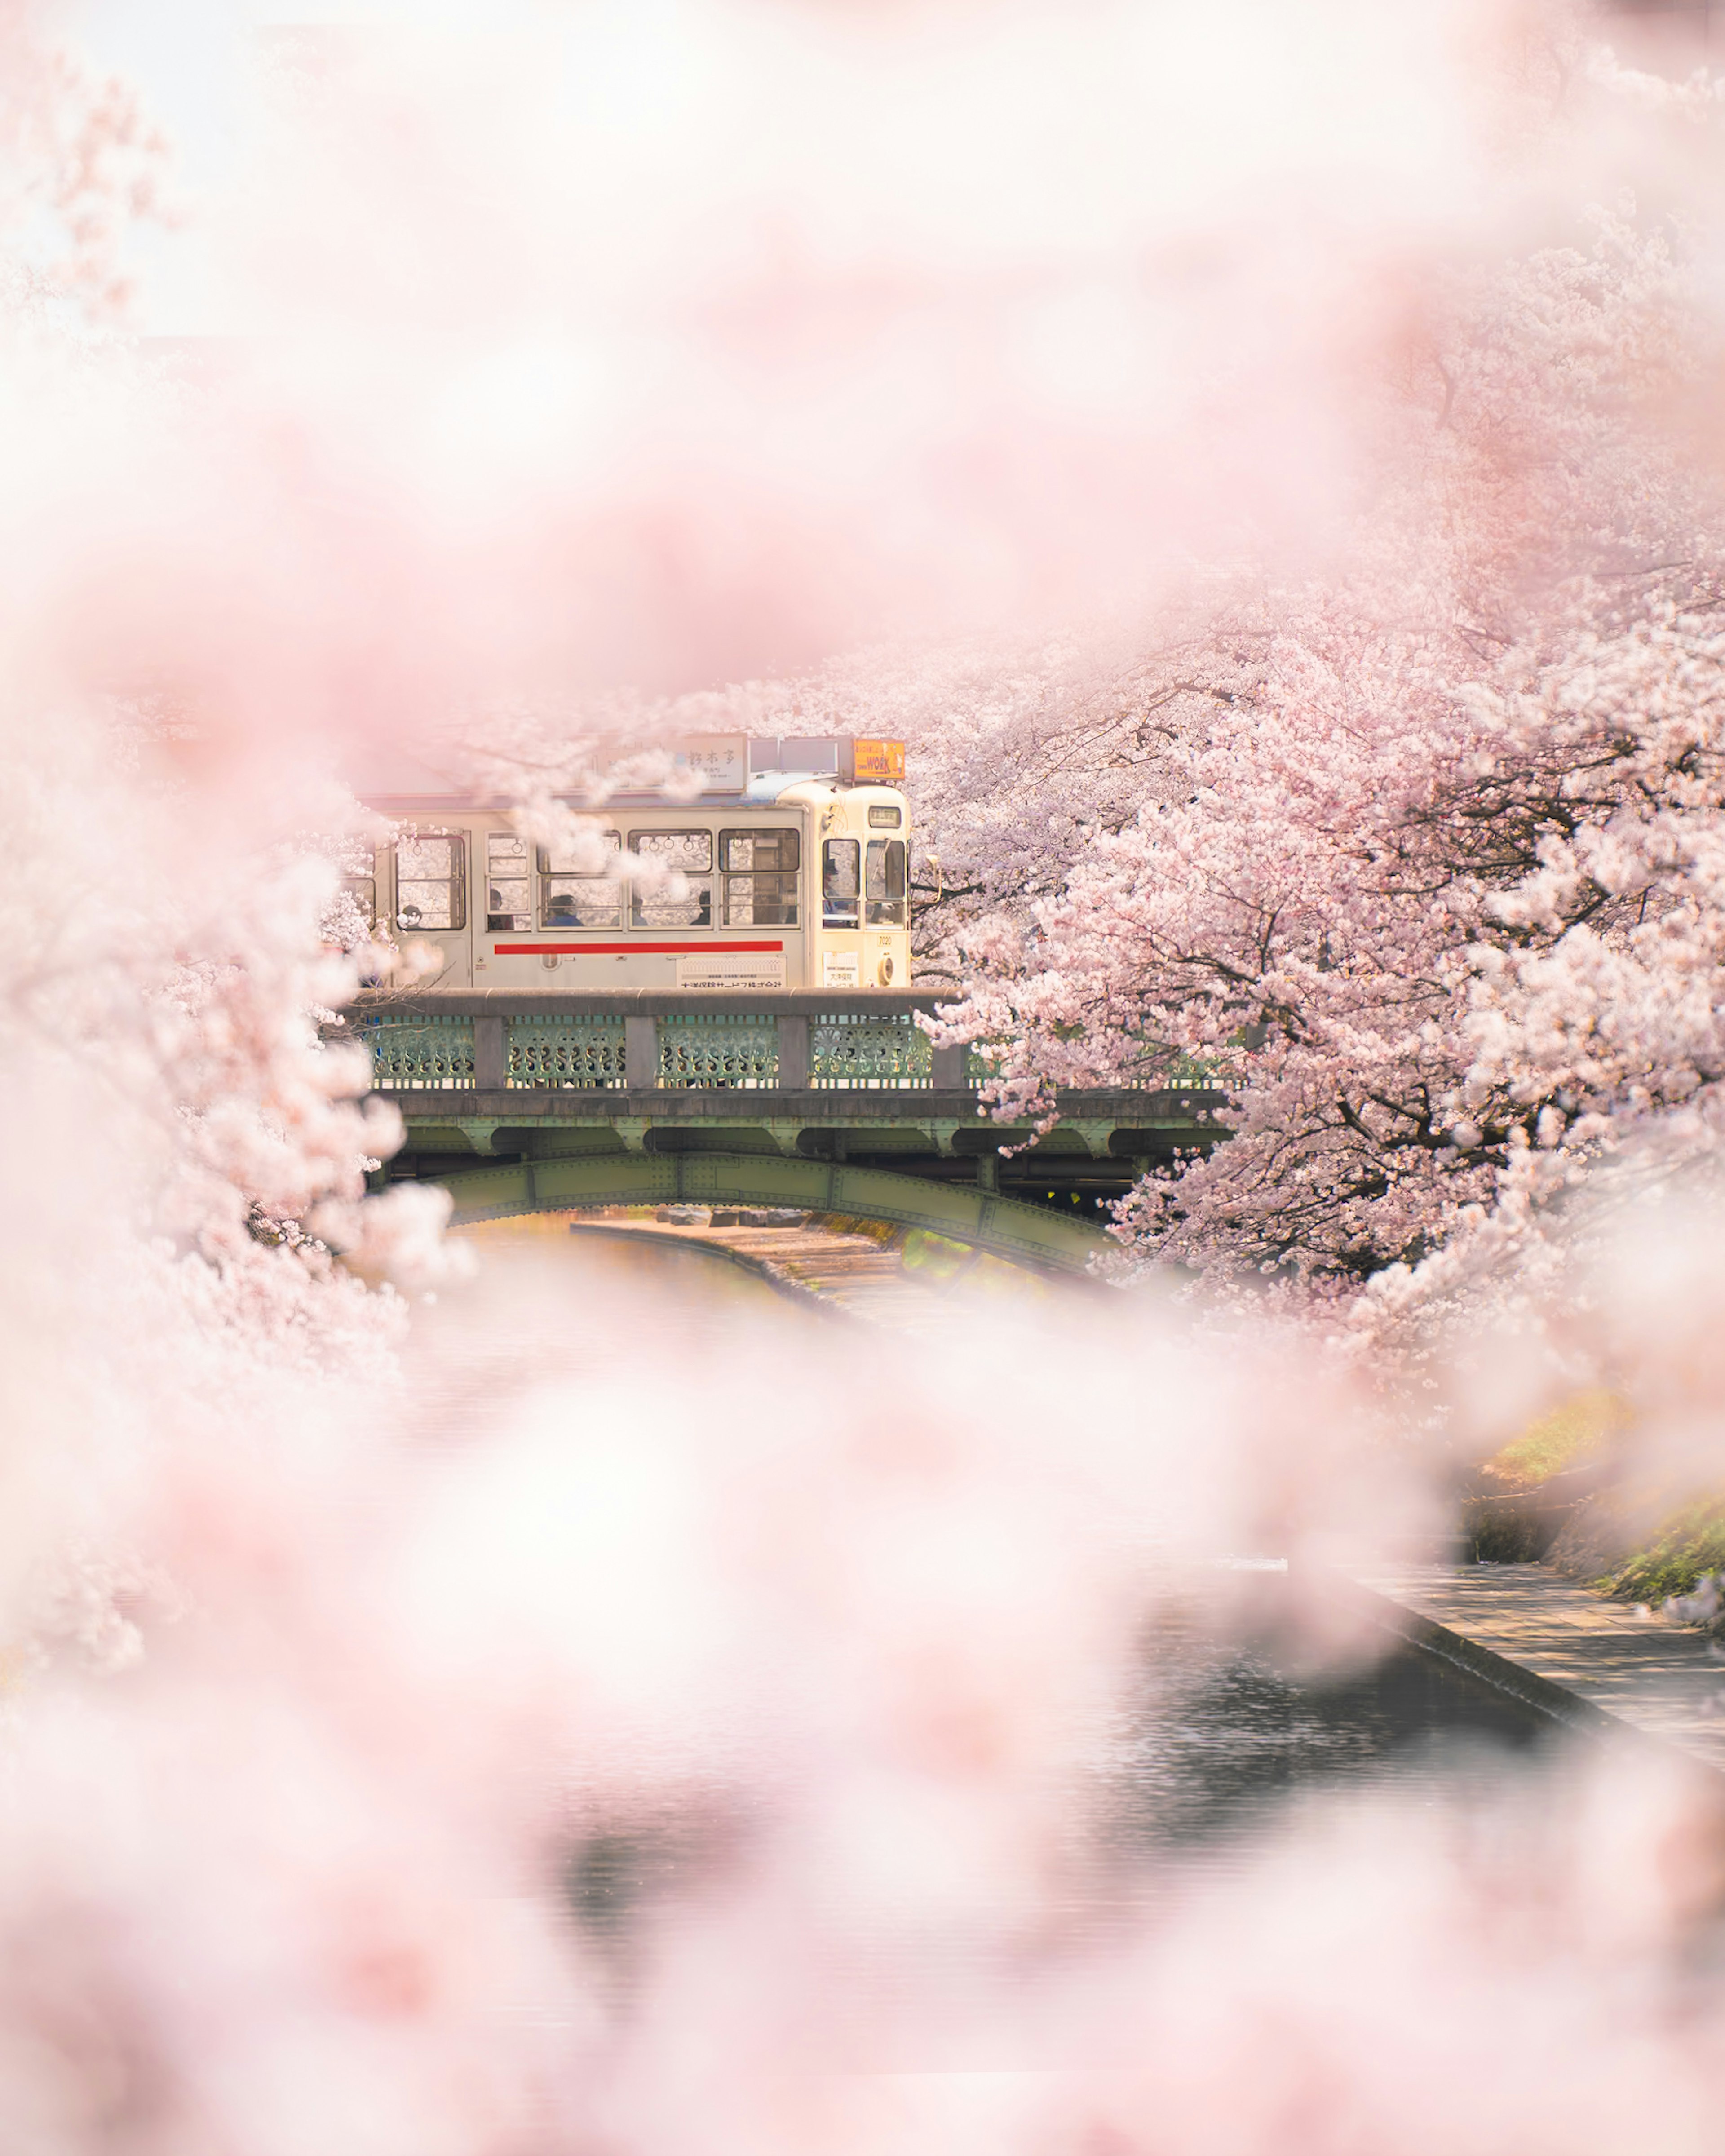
(790,869)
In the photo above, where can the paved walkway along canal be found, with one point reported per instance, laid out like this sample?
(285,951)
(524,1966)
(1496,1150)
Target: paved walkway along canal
(1659,1677)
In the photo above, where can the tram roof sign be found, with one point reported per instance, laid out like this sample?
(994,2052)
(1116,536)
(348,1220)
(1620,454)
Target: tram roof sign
(844,756)
(733,766)
(877,762)
(742,763)
(722,761)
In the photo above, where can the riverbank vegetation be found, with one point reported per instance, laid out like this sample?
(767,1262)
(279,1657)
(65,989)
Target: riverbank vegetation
(1687,1548)
(1572,1490)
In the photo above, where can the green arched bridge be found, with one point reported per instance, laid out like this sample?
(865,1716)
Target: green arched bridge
(826,1101)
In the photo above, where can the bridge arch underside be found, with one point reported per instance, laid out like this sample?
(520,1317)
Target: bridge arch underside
(1030,1235)
(873,1158)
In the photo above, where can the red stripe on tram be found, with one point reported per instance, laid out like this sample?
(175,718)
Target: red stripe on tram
(617,950)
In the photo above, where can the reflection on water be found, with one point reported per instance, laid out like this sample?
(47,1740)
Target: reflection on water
(1223,1729)
(1220,1733)
(1224,1734)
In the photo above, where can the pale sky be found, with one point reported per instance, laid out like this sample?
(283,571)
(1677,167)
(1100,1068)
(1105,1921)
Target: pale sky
(192,62)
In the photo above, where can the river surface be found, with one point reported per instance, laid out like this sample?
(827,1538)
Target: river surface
(1191,1784)
(1224,1736)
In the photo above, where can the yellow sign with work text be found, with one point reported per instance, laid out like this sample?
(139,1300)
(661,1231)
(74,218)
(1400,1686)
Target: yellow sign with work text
(879,762)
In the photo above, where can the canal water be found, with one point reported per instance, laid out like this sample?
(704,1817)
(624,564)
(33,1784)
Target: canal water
(1225,1734)
(1219,1746)
(1225,1730)
(1222,1734)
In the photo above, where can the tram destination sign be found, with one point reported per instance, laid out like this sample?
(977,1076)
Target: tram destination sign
(721,760)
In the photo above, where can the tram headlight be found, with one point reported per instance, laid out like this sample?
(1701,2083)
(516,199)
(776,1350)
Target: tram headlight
(885,975)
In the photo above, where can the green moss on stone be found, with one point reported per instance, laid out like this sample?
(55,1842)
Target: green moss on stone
(1569,1437)
(1691,1542)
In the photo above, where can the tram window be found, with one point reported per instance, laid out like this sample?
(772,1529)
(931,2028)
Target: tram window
(579,887)
(691,851)
(583,903)
(594,854)
(509,888)
(839,865)
(760,870)
(691,854)
(431,881)
(884,888)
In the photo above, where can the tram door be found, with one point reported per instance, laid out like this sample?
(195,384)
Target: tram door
(433,899)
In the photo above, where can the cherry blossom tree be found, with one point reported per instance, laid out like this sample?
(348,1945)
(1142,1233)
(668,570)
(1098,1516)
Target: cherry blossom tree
(1430,881)
(425,1639)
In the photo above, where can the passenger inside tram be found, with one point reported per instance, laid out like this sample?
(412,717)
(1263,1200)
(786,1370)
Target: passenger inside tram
(840,859)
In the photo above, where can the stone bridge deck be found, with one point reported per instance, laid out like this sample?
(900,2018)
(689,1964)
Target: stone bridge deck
(833,1102)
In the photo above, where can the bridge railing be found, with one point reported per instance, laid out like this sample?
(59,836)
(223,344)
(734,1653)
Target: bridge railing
(795,1041)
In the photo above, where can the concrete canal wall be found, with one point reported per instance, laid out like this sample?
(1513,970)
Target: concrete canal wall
(837,1269)
(1569,1657)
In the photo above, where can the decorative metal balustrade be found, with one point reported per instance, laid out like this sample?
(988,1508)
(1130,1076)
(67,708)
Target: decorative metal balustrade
(860,1051)
(820,1047)
(1164,1073)
(827,1101)
(718,1049)
(417,1054)
(548,1051)
(984,1060)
